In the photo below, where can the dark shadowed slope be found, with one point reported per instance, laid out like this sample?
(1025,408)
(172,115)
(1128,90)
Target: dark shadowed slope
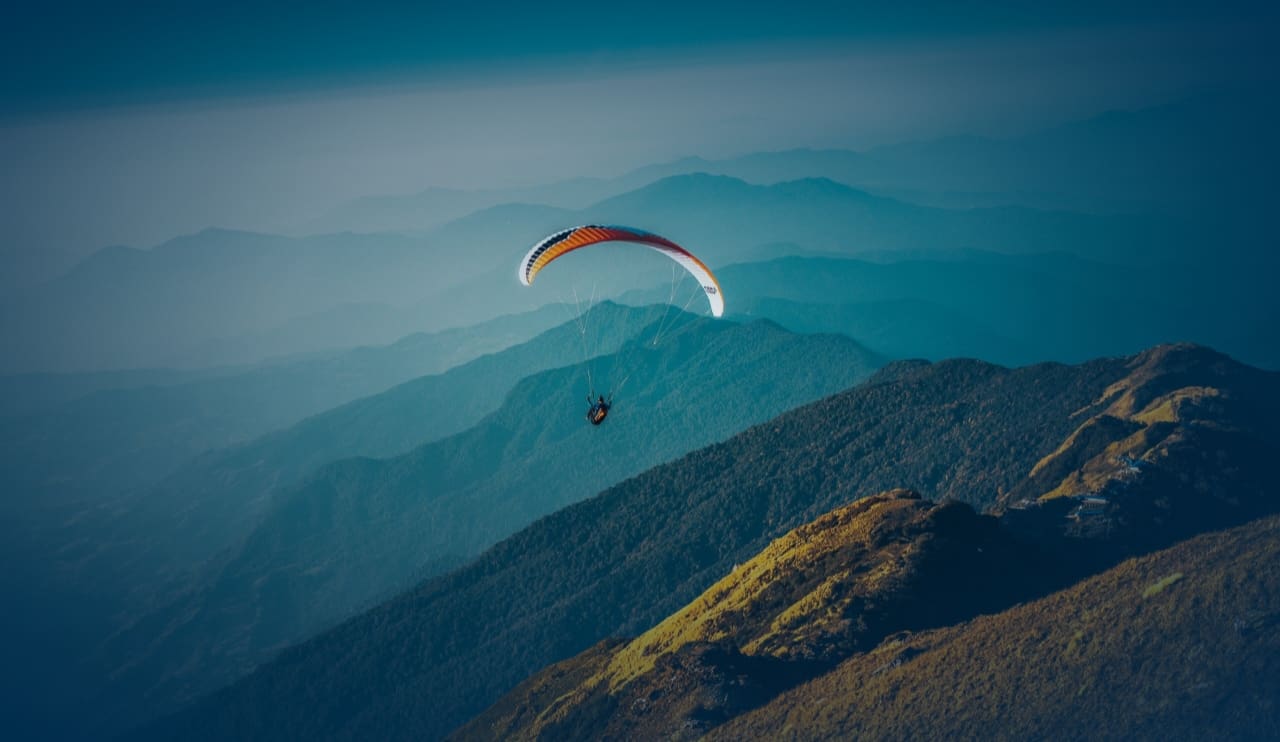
(1181,644)
(618,563)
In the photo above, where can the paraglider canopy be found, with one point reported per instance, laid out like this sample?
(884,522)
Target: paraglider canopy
(566,241)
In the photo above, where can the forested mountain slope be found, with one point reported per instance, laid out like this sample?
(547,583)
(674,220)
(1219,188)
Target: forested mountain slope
(617,564)
(1190,458)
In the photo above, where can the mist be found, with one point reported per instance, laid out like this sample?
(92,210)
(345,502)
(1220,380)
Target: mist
(139,174)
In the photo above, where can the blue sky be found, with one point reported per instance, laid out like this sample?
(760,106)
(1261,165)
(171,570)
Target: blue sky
(132,124)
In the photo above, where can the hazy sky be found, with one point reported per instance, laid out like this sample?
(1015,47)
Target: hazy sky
(133,126)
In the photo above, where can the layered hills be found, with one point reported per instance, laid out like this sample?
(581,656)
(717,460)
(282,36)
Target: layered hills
(356,530)
(94,436)
(216,497)
(1164,157)
(125,308)
(1012,309)
(896,327)
(86,517)
(220,297)
(618,564)
(722,215)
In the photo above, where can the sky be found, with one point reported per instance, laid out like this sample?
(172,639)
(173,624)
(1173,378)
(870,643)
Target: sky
(131,125)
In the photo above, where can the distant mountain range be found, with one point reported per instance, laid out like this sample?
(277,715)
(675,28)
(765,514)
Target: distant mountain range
(726,220)
(94,436)
(1165,158)
(723,215)
(1013,309)
(896,328)
(123,308)
(227,297)
(618,564)
(1183,184)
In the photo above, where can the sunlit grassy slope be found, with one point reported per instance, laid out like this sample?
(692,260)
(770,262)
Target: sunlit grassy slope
(1181,644)
(820,593)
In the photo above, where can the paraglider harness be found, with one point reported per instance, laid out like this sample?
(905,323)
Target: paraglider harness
(599,410)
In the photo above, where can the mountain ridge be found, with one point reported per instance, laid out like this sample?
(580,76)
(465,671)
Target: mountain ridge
(825,593)
(644,548)
(910,169)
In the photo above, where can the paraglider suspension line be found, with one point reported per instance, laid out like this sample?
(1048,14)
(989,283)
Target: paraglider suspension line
(581,319)
(677,279)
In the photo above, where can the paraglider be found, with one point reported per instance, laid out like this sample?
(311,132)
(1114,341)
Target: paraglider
(598,410)
(563,242)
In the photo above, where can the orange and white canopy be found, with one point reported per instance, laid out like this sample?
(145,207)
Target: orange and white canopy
(552,247)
